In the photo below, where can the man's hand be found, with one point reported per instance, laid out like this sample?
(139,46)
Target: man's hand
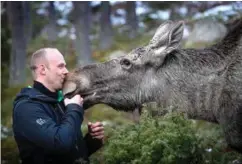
(96,130)
(77,99)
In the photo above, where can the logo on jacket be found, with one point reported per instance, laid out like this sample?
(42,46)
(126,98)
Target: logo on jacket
(40,121)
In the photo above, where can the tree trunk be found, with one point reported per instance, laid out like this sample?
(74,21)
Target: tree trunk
(131,18)
(15,11)
(51,27)
(28,21)
(106,31)
(82,18)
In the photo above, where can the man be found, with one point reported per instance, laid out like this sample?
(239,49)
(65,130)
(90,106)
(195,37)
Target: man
(46,127)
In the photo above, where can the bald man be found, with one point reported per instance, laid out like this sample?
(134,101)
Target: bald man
(46,127)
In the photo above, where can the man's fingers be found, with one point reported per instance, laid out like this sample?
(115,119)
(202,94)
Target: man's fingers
(89,124)
(96,134)
(97,129)
(93,125)
(96,124)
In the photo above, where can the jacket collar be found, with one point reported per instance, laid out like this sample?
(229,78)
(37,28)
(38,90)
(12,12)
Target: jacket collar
(41,88)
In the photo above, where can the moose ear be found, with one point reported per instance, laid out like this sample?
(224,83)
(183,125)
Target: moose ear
(167,38)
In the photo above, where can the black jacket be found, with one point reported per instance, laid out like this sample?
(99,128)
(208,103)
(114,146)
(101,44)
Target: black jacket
(46,131)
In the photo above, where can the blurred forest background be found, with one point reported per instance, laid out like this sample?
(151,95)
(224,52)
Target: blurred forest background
(87,32)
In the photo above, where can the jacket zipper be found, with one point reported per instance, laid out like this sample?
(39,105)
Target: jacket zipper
(60,109)
(76,145)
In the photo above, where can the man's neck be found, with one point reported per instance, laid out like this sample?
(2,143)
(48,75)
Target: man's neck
(45,90)
(47,86)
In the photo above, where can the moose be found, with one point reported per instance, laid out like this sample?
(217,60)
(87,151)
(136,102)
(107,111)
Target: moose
(206,84)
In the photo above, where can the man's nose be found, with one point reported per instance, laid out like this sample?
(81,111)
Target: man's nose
(66,71)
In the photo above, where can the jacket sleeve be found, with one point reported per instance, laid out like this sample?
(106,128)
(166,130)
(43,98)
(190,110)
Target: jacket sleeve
(93,144)
(32,122)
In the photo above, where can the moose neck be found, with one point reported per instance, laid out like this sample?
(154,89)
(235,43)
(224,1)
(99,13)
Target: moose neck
(231,44)
(193,85)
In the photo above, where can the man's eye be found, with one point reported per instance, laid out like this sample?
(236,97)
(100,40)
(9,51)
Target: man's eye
(61,66)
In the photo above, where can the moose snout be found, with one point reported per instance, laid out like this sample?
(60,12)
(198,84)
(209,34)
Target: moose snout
(75,82)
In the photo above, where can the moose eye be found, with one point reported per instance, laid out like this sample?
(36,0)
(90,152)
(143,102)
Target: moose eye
(125,63)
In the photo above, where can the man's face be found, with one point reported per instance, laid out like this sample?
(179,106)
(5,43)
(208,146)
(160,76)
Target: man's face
(56,70)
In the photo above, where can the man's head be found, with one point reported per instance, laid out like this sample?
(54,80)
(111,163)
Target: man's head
(49,67)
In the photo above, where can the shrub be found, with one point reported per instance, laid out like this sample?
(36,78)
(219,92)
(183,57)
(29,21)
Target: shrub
(170,139)
(167,140)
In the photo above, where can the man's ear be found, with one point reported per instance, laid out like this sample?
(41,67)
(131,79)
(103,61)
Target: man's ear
(167,38)
(42,69)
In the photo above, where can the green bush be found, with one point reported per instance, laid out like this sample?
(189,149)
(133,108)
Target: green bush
(167,140)
(170,139)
